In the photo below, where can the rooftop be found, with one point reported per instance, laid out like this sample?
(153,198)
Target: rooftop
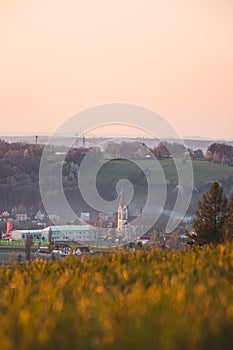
(69,228)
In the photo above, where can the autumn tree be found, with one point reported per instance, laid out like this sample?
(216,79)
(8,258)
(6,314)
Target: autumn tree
(211,216)
(220,153)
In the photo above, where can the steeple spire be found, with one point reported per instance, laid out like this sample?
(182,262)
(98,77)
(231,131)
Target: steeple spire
(122,213)
(121,199)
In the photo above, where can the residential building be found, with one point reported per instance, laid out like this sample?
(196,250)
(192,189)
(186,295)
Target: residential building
(21,217)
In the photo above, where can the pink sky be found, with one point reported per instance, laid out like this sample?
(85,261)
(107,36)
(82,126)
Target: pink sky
(173,56)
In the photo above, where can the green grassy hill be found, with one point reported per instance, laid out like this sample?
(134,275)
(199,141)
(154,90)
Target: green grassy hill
(204,173)
(202,169)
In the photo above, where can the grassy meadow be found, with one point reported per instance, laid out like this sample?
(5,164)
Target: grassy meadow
(202,169)
(204,173)
(149,300)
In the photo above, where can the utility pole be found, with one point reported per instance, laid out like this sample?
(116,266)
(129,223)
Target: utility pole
(50,243)
(50,240)
(28,244)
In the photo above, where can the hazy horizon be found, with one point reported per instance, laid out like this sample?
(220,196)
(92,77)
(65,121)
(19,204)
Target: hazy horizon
(70,135)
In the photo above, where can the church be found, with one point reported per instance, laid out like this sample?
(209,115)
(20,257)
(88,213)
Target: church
(122,218)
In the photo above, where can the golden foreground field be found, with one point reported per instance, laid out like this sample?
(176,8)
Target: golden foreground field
(149,300)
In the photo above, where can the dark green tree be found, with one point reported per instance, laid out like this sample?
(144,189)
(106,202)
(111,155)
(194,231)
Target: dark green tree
(209,223)
(229,221)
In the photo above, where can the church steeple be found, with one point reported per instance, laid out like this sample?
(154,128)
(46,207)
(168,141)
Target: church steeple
(121,199)
(122,213)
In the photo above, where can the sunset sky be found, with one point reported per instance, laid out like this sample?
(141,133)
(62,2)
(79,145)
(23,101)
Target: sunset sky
(173,56)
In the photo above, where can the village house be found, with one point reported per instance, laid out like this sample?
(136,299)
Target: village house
(5,216)
(39,215)
(21,217)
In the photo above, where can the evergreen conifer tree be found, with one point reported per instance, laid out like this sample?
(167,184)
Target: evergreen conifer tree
(229,220)
(209,223)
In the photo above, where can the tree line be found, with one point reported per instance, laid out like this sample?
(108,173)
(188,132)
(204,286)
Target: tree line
(220,153)
(19,175)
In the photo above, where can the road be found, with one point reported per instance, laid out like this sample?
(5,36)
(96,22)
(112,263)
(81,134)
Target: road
(11,255)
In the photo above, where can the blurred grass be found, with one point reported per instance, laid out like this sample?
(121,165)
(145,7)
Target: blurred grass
(159,299)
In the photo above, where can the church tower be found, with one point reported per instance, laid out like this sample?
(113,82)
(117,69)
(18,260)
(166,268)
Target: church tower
(122,214)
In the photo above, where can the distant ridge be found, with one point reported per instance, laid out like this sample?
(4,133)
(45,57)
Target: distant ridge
(190,142)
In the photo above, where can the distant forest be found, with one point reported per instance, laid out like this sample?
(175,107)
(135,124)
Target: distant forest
(19,171)
(19,176)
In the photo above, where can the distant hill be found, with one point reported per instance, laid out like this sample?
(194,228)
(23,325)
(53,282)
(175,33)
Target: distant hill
(193,143)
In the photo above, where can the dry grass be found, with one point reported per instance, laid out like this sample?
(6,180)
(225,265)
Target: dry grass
(151,300)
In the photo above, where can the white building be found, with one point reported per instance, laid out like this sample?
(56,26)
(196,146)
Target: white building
(85,216)
(21,217)
(39,215)
(82,233)
(17,235)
